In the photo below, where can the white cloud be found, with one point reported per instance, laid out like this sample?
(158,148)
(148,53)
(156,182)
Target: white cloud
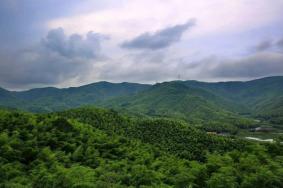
(134,17)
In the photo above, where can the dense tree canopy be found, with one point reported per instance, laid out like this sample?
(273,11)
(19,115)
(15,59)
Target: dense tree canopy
(100,148)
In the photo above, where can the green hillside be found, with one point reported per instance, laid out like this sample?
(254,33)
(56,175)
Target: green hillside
(176,100)
(261,97)
(248,93)
(171,98)
(166,134)
(222,105)
(7,99)
(54,99)
(93,148)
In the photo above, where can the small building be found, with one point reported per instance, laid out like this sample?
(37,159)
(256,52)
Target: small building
(262,129)
(213,133)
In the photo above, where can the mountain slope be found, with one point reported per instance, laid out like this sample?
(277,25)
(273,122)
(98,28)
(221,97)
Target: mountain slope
(53,99)
(189,100)
(7,99)
(249,93)
(163,133)
(174,99)
(258,97)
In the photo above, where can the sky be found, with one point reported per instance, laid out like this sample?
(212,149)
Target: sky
(64,43)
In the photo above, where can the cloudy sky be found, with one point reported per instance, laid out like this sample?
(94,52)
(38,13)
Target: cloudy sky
(66,43)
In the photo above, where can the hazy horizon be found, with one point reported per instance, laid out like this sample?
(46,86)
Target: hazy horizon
(153,83)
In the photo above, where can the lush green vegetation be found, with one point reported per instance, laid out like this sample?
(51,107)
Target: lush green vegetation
(99,148)
(54,99)
(175,137)
(262,98)
(174,100)
(214,106)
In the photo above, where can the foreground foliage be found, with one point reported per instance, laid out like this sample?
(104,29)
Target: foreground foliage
(99,148)
(172,136)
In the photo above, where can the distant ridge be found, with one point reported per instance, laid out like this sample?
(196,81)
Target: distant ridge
(185,99)
(121,83)
(52,99)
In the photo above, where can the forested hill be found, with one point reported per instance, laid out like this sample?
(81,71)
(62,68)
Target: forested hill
(92,148)
(174,99)
(166,134)
(189,100)
(54,99)
(261,97)
(250,92)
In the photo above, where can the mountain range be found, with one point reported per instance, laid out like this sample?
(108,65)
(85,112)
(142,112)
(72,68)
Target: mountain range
(192,101)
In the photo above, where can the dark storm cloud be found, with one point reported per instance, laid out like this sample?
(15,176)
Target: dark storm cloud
(211,68)
(55,59)
(264,45)
(280,43)
(24,61)
(21,21)
(268,45)
(160,39)
(73,46)
(152,66)
(257,65)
